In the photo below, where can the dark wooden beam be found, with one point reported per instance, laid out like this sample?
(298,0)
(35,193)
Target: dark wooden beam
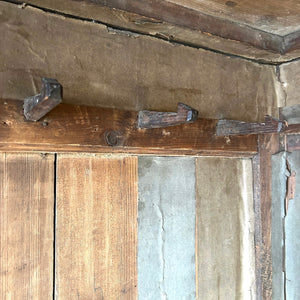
(262,181)
(204,21)
(70,128)
(292,129)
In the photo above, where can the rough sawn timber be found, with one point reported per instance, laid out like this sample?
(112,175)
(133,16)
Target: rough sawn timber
(262,181)
(69,128)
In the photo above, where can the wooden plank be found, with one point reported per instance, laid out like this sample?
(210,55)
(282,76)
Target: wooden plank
(26,226)
(292,129)
(278,32)
(70,128)
(92,11)
(225,229)
(96,236)
(152,74)
(262,178)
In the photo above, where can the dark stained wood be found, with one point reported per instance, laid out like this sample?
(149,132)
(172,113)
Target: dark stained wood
(70,128)
(96,237)
(91,10)
(26,226)
(262,179)
(222,20)
(152,119)
(232,127)
(292,129)
(38,106)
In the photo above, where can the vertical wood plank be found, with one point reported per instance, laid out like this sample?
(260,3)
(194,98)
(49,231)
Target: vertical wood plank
(225,229)
(262,173)
(26,226)
(96,235)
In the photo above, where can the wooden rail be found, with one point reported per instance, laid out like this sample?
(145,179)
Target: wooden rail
(71,128)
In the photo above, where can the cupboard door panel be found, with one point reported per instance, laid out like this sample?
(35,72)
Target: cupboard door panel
(96,227)
(26,226)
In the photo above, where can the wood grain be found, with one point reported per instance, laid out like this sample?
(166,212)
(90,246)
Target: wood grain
(96,234)
(277,31)
(262,179)
(91,10)
(70,128)
(26,226)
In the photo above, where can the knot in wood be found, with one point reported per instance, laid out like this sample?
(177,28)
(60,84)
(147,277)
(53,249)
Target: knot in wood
(112,138)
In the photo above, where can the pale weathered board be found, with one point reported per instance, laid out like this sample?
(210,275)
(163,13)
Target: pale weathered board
(96,227)
(99,66)
(225,229)
(26,226)
(166,228)
(285,226)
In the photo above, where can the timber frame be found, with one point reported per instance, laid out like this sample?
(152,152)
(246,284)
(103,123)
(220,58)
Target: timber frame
(72,128)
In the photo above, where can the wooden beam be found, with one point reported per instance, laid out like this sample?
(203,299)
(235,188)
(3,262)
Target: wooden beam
(118,18)
(292,129)
(71,128)
(262,181)
(221,23)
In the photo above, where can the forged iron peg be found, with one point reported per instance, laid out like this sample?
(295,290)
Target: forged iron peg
(154,119)
(38,106)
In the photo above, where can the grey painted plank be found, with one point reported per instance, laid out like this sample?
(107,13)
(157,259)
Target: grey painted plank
(292,232)
(285,229)
(166,228)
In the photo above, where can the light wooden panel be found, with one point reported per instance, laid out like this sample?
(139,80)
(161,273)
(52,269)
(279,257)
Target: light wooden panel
(96,236)
(225,229)
(26,226)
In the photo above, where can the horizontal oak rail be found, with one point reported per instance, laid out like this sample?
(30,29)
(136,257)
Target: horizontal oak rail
(72,128)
